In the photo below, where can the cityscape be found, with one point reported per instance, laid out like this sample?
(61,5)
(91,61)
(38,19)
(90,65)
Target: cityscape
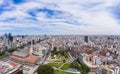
(59,37)
(66,54)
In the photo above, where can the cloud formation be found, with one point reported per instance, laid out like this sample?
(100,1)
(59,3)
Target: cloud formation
(83,17)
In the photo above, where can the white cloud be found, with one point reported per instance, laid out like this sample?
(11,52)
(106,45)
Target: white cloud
(1,1)
(84,16)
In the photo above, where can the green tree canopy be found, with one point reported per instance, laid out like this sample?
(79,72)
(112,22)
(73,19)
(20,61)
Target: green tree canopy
(45,69)
(11,49)
(2,53)
(55,48)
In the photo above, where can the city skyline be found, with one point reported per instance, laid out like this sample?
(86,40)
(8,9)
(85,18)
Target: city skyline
(60,17)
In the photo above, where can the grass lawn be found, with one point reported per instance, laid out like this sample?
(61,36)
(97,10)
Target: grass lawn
(66,66)
(55,64)
(61,72)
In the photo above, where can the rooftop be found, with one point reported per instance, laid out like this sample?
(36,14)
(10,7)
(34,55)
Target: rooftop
(20,53)
(31,59)
(6,67)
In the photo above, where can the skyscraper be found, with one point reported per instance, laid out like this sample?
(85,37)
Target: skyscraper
(86,39)
(8,40)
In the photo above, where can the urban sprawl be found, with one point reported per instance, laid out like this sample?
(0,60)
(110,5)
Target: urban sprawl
(66,54)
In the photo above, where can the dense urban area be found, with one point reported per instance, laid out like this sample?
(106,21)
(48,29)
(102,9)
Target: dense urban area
(59,54)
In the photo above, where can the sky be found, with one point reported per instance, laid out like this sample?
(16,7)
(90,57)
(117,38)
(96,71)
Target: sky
(60,17)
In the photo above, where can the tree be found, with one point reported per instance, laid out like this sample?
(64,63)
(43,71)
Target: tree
(54,52)
(55,48)
(45,69)
(21,47)
(85,68)
(11,49)
(2,53)
(63,53)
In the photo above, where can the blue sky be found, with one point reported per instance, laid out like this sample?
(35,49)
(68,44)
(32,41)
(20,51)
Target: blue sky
(56,17)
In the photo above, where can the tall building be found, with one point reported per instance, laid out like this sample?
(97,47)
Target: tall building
(8,38)
(86,39)
(31,48)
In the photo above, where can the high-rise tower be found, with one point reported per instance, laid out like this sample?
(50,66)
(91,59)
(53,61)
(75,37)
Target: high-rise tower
(86,39)
(31,48)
